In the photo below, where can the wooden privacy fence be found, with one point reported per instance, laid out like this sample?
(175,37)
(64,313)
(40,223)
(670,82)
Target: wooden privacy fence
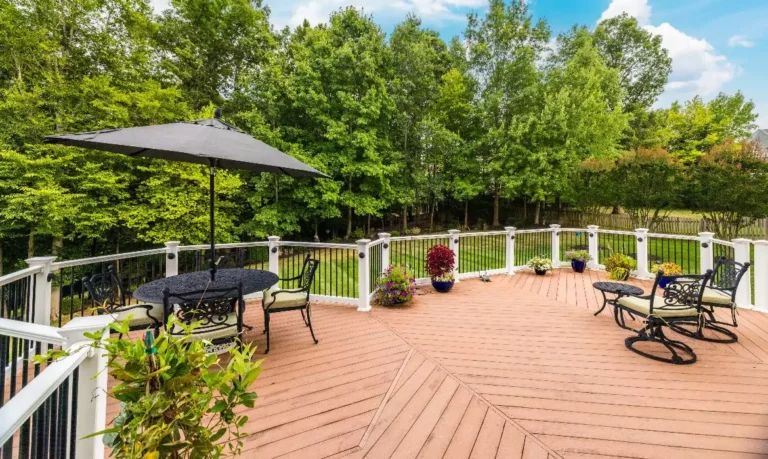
(623,222)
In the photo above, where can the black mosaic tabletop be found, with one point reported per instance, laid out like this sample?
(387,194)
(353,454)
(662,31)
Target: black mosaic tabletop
(253,280)
(618,288)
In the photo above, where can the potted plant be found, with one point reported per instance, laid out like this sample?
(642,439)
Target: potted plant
(540,265)
(669,269)
(619,266)
(440,264)
(395,286)
(578,259)
(176,401)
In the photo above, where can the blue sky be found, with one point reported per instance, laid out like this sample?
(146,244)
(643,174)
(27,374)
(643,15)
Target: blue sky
(716,45)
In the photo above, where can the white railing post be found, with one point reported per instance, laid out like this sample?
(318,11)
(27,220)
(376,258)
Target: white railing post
(761,275)
(453,244)
(555,245)
(171,258)
(741,255)
(641,234)
(705,242)
(385,247)
(510,249)
(91,384)
(274,254)
(363,275)
(594,251)
(43,288)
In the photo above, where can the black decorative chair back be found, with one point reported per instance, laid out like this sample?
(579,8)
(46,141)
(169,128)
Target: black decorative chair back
(681,293)
(308,273)
(105,290)
(727,276)
(217,313)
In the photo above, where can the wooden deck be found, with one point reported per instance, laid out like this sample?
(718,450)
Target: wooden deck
(515,368)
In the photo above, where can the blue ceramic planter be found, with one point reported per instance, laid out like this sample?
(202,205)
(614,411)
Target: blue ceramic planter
(579,265)
(664,282)
(442,287)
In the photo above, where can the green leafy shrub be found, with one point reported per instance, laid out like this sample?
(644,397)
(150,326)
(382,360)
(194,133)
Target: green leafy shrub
(184,404)
(395,233)
(619,266)
(395,286)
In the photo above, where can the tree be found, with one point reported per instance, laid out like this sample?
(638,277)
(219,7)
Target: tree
(503,49)
(729,186)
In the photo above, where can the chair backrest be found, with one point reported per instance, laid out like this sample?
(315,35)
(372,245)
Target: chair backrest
(727,275)
(210,308)
(308,273)
(105,289)
(682,292)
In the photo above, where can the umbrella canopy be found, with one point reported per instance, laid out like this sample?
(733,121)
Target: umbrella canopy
(210,141)
(198,141)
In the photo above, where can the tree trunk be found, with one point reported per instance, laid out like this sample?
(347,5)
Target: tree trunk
(31,245)
(616,210)
(349,222)
(317,237)
(369,225)
(525,209)
(432,216)
(405,220)
(58,244)
(537,215)
(466,214)
(496,206)
(1,258)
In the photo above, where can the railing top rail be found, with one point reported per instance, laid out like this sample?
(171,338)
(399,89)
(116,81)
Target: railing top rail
(423,236)
(21,274)
(105,258)
(538,230)
(229,245)
(605,231)
(483,233)
(318,245)
(376,242)
(31,331)
(673,236)
(722,242)
(18,409)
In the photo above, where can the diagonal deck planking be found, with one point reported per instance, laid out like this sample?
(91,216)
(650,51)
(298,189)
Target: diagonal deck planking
(515,368)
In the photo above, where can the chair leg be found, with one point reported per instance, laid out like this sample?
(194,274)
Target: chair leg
(692,330)
(654,333)
(309,324)
(266,330)
(303,318)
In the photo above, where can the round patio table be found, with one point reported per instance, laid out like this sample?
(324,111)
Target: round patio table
(253,280)
(618,289)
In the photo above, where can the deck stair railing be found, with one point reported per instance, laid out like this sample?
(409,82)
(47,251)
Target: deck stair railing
(50,293)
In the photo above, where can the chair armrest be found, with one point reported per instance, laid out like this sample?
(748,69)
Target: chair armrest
(290,278)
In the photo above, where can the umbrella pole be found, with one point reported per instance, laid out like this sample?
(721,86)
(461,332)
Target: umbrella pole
(212,262)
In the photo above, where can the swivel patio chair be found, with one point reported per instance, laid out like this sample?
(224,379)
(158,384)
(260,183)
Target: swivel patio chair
(679,302)
(281,300)
(106,291)
(719,294)
(217,316)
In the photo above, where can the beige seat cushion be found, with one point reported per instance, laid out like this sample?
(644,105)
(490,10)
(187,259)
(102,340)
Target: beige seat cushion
(283,300)
(715,297)
(210,332)
(139,315)
(643,306)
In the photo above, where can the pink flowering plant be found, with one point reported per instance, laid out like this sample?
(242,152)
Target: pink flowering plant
(395,286)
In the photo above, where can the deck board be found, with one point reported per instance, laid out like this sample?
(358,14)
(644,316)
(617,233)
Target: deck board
(515,368)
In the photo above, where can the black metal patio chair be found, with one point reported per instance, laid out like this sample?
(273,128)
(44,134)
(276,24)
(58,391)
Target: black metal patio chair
(281,300)
(216,313)
(679,302)
(106,290)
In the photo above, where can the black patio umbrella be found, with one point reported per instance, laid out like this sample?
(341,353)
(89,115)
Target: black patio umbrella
(210,141)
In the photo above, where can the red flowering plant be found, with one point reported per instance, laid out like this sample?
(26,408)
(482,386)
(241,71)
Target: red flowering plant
(440,263)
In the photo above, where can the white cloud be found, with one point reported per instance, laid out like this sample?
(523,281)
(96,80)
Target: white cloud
(697,68)
(740,40)
(638,9)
